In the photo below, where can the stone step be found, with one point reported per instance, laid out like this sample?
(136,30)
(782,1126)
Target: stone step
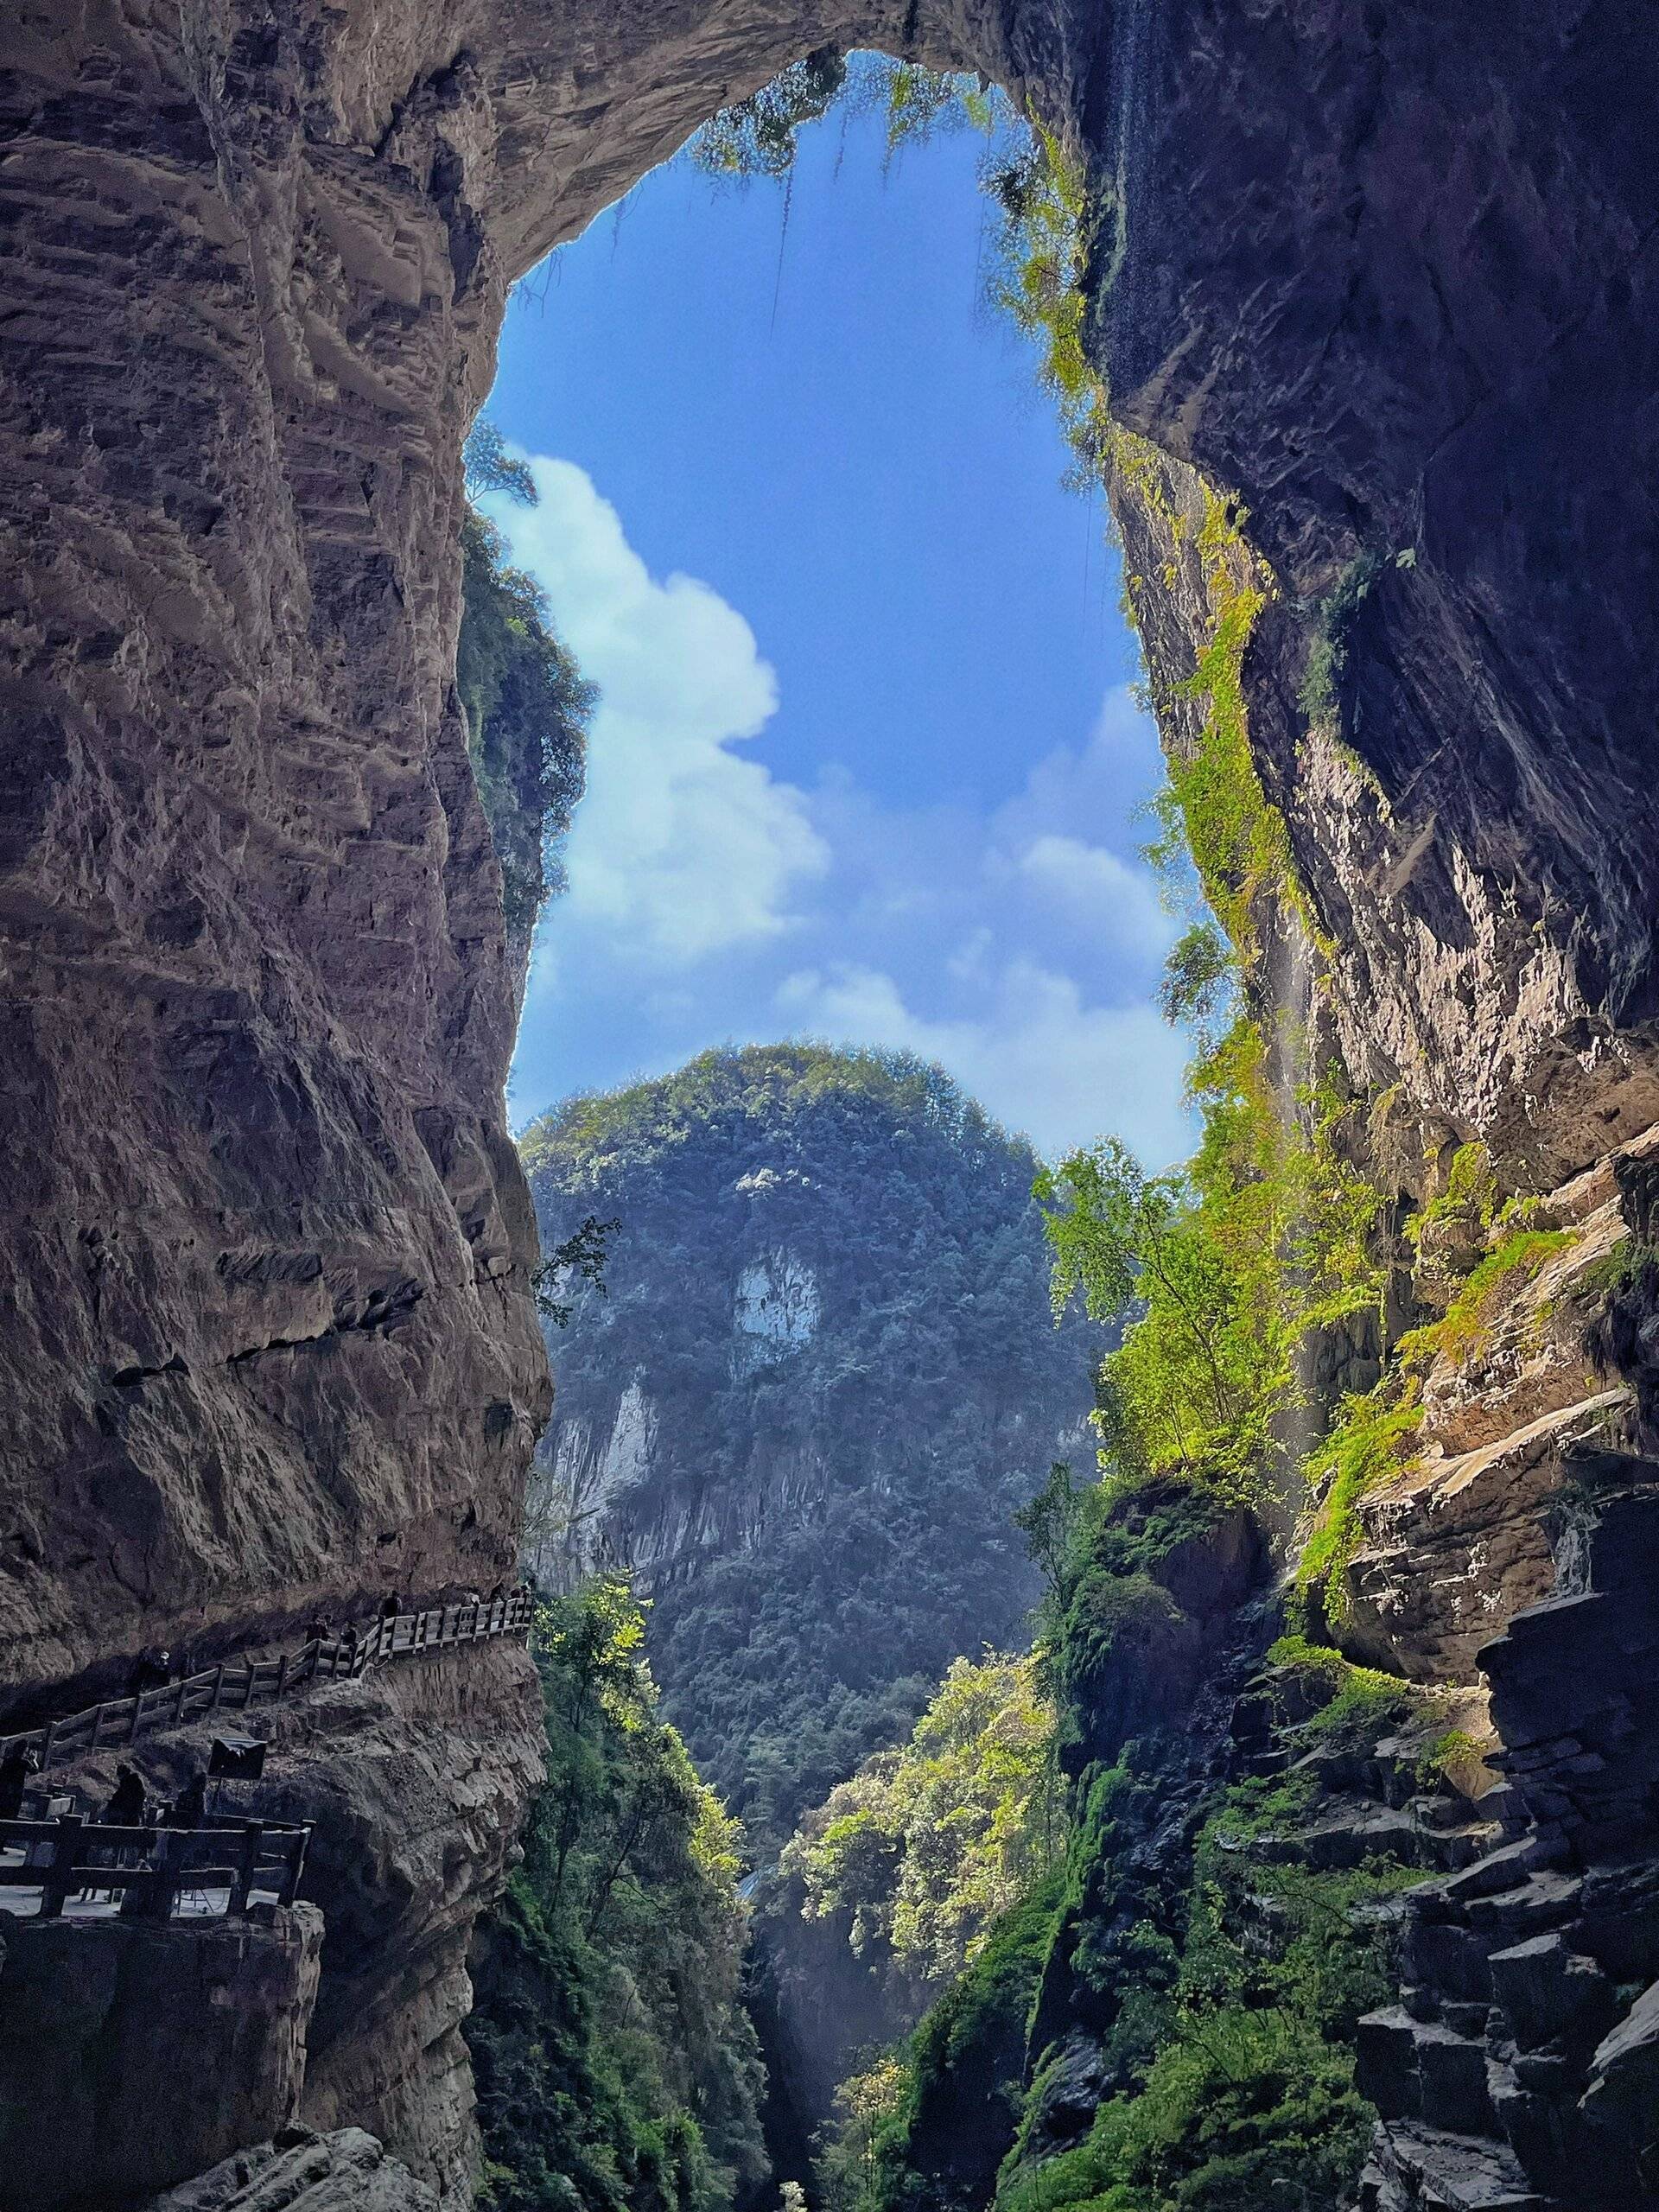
(1424,2070)
(1418,2169)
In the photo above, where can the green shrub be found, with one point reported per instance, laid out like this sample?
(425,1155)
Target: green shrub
(616,2068)
(1328,653)
(955,2117)
(528,709)
(1462,1329)
(1369,1444)
(1228,1261)
(926,1846)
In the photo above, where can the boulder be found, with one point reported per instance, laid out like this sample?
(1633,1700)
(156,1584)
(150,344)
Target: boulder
(300,2171)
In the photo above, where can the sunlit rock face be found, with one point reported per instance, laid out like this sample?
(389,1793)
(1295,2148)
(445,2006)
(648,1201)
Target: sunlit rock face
(775,1312)
(1381,272)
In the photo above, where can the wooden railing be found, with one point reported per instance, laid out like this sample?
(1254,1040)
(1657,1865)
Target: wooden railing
(230,1688)
(152,1867)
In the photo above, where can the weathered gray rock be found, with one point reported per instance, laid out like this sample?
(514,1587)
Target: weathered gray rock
(303,2171)
(1622,2102)
(1546,1990)
(133,2054)
(1417,2169)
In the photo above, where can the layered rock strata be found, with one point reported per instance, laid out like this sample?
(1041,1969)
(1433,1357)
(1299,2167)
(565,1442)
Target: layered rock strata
(1521,2064)
(132,2052)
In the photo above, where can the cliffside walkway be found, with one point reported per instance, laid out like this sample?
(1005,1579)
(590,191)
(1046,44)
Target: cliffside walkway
(229,1687)
(73,1869)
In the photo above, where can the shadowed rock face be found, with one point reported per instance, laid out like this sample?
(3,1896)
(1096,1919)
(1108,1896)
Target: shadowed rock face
(1385,280)
(1389,281)
(1384,271)
(128,2047)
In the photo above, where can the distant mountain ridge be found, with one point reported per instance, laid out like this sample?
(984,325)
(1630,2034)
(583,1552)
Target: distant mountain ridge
(823,1375)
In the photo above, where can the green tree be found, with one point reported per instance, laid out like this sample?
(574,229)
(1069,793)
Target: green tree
(528,710)
(926,1845)
(617,2070)
(1226,1262)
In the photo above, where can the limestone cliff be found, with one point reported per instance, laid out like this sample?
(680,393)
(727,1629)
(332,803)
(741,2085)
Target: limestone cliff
(822,1375)
(1381,272)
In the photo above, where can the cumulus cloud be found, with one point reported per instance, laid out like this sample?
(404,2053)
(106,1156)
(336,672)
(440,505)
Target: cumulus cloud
(1019,944)
(1037,1055)
(683,848)
(1095,890)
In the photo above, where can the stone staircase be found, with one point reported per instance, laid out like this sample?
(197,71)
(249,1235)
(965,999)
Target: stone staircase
(1520,2067)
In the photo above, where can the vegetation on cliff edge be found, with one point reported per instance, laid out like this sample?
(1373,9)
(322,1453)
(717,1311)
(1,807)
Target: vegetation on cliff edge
(617,2071)
(528,706)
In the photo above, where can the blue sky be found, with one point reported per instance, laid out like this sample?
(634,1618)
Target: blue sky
(865,761)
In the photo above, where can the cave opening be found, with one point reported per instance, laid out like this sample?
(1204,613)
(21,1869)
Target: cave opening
(870,759)
(1382,276)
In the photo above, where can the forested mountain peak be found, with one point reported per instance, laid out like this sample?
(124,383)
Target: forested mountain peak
(821,1374)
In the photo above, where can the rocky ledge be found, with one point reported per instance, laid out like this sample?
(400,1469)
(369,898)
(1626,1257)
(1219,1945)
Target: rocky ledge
(301,2171)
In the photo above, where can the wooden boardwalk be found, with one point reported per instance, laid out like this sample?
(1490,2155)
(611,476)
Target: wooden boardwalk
(229,1687)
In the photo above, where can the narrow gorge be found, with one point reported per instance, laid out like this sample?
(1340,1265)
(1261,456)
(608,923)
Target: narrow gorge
(1359,1897)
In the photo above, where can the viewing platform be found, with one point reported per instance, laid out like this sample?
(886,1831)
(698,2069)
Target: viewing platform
(71,1868)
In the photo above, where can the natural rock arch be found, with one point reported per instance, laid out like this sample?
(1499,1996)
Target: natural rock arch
(268,1345)
(1384,278)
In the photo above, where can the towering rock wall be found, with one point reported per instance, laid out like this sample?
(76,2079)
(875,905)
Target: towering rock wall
(1381,269)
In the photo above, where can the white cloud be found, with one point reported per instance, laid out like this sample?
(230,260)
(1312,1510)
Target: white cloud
(681,847)
(1018,945)
(1096,891)
(1037,1056)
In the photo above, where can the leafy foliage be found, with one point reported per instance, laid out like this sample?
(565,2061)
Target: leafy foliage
(1463,1326)
(756,137)
(528,706)
(924,1847)
(826,1510)
(1245,2090)
(1371,1441)
(617,2071)
(1374,1435)
(1199,978)
(1328,654)
(850,2167)
(1227,1261)
(578,1258)
(491,467)
(1037,270)
(1232,1990)
(952,2115)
